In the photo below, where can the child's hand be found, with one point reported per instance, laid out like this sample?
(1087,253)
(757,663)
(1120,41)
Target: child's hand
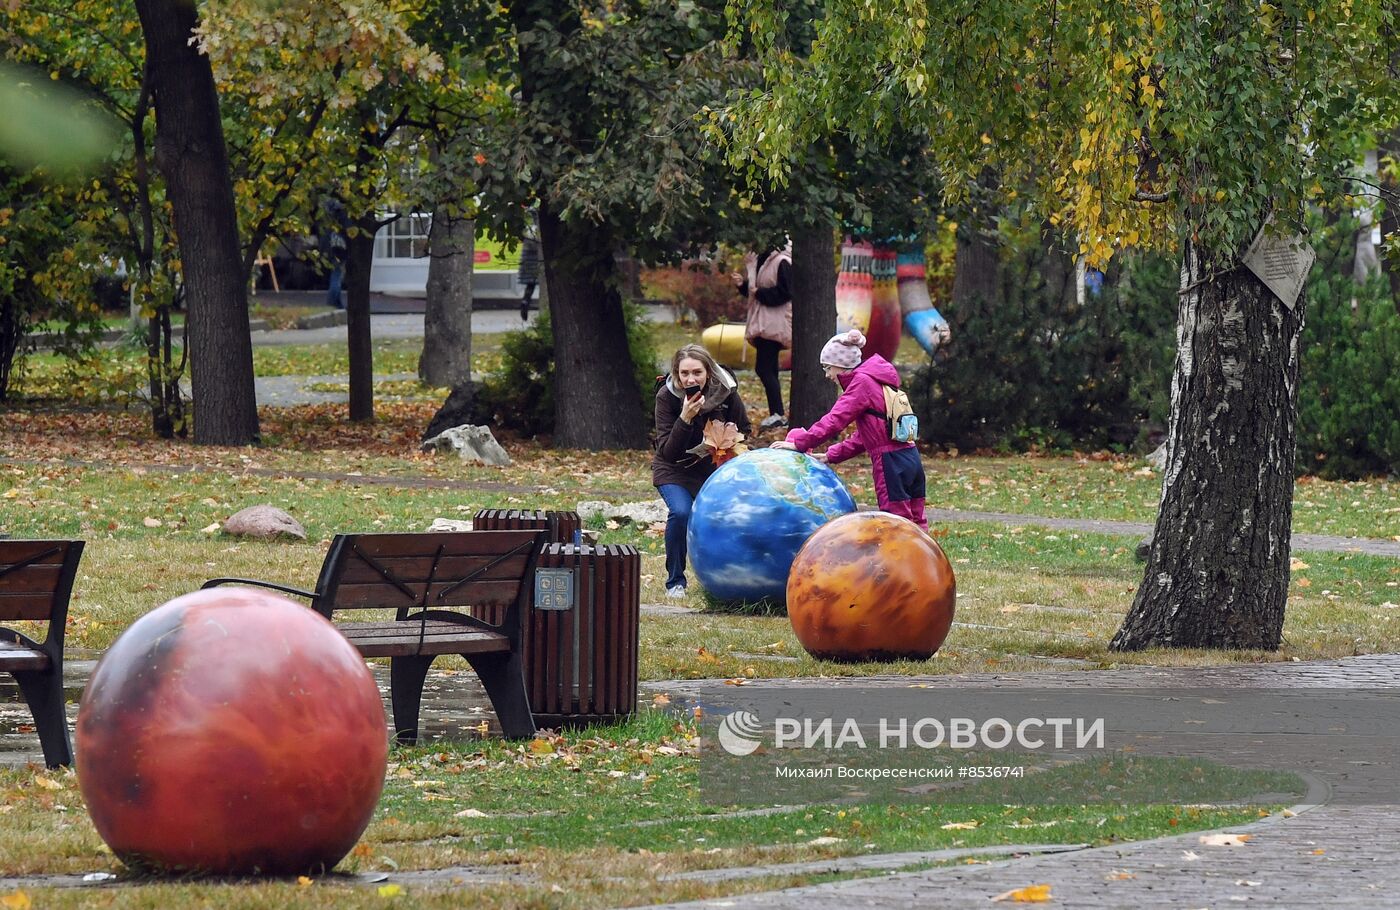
(819,456)
(782,444)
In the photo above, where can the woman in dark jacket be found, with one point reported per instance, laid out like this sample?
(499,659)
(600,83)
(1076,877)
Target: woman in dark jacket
(697,391)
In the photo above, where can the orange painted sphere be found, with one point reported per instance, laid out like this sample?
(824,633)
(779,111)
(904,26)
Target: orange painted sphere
(231,731)
(871,586)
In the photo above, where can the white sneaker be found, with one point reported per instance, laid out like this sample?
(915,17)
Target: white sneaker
(676,592)
(773,420)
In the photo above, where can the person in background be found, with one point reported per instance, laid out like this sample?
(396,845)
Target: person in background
(899,472)
(335,247)
(529,272)
(697,391)
(767,284)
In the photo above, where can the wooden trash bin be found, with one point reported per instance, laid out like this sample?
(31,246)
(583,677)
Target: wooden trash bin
(580,647)
(562,526)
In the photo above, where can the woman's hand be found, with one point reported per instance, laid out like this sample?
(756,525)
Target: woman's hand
(691,408)
(782,444)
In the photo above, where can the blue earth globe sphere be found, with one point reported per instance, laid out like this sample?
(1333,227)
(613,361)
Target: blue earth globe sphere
(753,515)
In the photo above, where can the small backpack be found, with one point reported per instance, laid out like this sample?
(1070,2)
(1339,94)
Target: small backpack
(901,422)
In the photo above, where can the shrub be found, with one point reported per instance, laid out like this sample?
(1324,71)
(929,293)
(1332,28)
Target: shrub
(520,394)
(1040,370)
(701,289)
(1349,392)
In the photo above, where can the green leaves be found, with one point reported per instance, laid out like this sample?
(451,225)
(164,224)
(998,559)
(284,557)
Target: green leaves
(1094,105)
(48,125)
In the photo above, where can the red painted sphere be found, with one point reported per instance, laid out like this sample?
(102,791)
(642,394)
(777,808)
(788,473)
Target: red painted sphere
(871,586)
(231,731)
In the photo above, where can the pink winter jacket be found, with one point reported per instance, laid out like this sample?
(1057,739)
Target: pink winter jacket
(863,393)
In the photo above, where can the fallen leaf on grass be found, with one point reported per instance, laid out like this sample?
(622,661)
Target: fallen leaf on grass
(1225,840)
(303,880)
(541,746)
(1295,564)
(823,841)
(1031,894)
(16,900)
(390,890)
(151,522)
(661,700)
(48,783)
(211,529)
(472,813)
(960,826)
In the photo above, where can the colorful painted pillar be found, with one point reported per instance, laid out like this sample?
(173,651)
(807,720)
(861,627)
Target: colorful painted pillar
(921,319)
(882,335)
(855,287)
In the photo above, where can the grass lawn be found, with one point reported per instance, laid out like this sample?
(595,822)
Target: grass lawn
(591,819)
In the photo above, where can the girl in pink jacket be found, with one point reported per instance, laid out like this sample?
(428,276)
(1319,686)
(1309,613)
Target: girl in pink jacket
(899,472)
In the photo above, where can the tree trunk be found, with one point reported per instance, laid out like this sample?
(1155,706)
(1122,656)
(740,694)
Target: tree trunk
(191,155)
(446,360)
(1217,571)
(813,321)
(359,260)
(977,270)
(597,404)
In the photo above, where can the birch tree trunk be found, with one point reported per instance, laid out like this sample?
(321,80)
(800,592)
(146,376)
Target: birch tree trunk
(1217,571)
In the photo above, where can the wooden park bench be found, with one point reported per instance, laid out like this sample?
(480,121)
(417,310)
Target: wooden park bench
(413,580)
(36,582)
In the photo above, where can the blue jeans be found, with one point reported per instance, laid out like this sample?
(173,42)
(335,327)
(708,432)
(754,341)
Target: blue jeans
(333,288)
(678,502)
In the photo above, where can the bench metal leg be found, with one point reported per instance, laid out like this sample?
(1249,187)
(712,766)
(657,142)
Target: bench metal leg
(43,692)
(406,677)
(503,676)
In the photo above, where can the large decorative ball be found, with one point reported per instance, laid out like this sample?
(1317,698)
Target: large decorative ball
(231,731)
(753,515)
(871,586)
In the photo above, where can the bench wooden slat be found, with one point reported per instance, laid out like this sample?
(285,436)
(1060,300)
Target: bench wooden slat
(381,596)
(405,639)
(414,570)
(26,606)
(415,545)
(18,551)
(18,657)
(30,579)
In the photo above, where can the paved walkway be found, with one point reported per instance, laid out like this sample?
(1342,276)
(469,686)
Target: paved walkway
(1329,855)
(1325,542)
